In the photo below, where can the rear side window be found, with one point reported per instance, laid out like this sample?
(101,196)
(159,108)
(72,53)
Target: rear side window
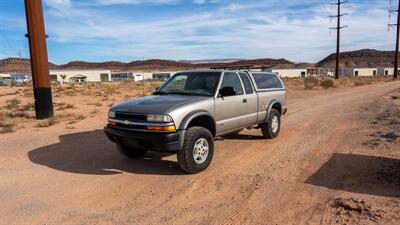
(267,81)
(247,83)
(232,80)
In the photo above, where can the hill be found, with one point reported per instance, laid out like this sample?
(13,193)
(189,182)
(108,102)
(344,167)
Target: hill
(360,58)
(17,65)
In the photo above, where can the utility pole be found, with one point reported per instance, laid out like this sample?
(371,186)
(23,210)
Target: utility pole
(396,60)
(20,60)
(39,59)
(338,28)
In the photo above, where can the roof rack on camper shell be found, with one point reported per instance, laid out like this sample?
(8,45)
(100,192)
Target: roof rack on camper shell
(243,67)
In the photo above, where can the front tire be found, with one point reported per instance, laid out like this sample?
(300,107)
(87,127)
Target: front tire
(271,128)
(130,152)
(198,150)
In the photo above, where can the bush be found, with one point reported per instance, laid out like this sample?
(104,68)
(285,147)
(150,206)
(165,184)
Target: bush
(28,107)
(13,103)
(327,84)
(362,82)
(310,83)
(6,128)
(47,123)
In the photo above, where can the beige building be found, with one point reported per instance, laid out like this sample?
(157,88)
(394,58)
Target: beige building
(80,76)
(386,71)
(360,72)
(289,72)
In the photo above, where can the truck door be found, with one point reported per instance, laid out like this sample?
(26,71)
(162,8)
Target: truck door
(230,111)
(251,100)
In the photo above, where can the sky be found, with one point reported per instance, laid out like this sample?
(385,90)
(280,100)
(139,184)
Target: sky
(127,30)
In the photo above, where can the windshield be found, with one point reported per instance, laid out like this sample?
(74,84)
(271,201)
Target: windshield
(191,83)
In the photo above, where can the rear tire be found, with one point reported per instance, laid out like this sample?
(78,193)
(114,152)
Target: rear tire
(272,126)
(130,152)
(198,150)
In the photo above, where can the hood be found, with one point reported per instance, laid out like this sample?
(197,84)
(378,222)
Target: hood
(156,104)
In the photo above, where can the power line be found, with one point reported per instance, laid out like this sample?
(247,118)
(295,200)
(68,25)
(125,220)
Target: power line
(338,27)
(397,25)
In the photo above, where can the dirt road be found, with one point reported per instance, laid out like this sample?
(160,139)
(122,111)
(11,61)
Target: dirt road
(319,160)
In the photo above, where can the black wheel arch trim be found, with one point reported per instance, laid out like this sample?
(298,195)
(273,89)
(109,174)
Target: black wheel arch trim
(269,108)
(195,114)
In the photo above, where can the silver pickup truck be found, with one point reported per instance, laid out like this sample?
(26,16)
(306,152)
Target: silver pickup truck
(189,110)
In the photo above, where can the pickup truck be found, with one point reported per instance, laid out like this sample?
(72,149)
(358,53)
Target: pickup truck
(186,113)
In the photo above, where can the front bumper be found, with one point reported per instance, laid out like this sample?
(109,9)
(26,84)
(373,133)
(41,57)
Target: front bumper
(153,141)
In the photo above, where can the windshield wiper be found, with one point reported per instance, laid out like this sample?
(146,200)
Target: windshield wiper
(160,93)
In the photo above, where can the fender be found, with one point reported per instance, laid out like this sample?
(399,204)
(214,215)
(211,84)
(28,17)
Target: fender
(186,121)
(269,107)
(188,118)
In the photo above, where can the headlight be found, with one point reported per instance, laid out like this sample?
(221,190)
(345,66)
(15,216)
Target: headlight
(159,118)
(111,114)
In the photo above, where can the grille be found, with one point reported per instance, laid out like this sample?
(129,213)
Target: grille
(130,117)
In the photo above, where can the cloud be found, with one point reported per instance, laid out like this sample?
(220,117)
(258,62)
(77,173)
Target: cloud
(243,29)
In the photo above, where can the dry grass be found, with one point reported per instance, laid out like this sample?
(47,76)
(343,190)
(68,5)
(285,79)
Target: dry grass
(13,104)
(6,127)
(47,123)
(327,83)
(314,83)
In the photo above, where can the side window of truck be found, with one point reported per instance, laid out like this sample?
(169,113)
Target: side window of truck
(232,80)
(267,81)
(247,83)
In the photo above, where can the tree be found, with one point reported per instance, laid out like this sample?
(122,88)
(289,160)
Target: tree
(63,76)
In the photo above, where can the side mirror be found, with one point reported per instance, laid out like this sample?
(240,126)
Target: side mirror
(227,91)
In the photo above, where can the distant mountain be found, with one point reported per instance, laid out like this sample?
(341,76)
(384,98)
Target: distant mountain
(360,58)
(16,65)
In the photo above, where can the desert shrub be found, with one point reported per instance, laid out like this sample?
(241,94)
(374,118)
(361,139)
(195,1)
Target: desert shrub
(11,93)
(6,127)
(310,83)
(28,107)
(20,114)
(327,84)
(362,82)
(47,123)
(98,104)
(80,117)
(13,103)
(63,106)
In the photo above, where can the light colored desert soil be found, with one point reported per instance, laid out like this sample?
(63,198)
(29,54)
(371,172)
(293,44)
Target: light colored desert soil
(326,167)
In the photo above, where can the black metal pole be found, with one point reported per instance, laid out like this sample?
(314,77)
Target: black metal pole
(39,59)
(396,61)
(337,73)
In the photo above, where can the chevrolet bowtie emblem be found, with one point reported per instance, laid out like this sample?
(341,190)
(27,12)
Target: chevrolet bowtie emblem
(126,122)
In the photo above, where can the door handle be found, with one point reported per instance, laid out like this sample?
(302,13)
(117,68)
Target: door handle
(244,100)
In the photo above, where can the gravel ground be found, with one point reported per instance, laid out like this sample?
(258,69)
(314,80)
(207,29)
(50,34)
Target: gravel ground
(335,162)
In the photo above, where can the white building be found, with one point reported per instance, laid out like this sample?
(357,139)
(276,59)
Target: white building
(132,76)
(289,72)
(161,76)
(386,71)
(80,76)
(360,72)
(5,79)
